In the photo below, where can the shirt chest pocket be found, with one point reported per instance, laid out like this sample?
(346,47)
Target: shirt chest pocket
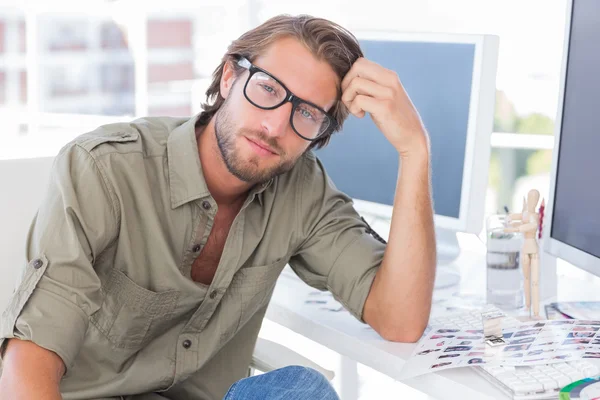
(250,290)
(131,315)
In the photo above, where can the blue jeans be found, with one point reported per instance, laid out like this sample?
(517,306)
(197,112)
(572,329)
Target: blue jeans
(289,383)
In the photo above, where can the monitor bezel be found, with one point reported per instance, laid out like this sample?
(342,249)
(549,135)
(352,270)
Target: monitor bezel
(555,247)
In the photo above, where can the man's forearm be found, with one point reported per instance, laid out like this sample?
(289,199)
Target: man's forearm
(20,387)
(403,287)
(30,372)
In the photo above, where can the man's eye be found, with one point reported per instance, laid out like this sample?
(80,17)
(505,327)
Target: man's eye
(268,89)
(306,114)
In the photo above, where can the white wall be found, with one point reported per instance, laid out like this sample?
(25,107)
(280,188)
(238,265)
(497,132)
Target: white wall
(23,183)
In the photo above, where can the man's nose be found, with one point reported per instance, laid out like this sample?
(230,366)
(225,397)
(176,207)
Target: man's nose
(276,122)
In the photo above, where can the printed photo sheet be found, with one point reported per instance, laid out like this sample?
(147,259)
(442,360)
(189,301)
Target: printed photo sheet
(529,343)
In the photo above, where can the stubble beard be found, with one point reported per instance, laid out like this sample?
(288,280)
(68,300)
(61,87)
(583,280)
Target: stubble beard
(246,170)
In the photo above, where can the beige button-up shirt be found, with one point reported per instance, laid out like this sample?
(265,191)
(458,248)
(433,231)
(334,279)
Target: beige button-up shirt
(106,283)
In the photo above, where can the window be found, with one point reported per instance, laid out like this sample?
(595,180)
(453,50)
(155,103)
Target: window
(13,76)
(93,63)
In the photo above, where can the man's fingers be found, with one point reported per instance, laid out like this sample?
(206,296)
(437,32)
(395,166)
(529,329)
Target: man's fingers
(371,71)
(364,86)
(362,104)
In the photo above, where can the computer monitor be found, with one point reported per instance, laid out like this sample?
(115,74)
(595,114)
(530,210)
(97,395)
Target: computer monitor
(451,79)
(572,220)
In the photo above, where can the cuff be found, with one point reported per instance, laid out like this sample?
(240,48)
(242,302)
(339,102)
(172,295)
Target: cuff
(49,321)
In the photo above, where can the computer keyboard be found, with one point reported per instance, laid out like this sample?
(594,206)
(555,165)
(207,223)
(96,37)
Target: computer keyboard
(535,382)
(538,381)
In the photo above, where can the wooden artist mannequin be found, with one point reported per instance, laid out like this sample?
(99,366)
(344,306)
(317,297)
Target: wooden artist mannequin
(527,223)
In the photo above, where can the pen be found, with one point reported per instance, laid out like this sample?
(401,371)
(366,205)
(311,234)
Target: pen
(541,221)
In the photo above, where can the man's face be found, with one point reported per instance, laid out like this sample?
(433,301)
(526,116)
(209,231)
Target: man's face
(257,144)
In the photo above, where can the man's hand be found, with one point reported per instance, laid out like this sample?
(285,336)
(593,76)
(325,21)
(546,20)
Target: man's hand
(369,87)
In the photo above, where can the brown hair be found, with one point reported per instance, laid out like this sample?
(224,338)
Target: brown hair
(326,40)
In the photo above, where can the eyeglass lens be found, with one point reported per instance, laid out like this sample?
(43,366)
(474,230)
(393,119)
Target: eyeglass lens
(267,92)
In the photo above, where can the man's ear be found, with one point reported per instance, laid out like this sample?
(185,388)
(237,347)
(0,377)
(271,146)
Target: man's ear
(227,79)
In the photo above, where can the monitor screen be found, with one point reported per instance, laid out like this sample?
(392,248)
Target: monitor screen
(576,209)
(438,78)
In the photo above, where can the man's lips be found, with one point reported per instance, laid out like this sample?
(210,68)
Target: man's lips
(262,145)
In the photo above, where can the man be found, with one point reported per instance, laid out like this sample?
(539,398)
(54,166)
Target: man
(156,249)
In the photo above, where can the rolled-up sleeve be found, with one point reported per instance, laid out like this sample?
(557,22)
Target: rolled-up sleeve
(337,252)
(58,288)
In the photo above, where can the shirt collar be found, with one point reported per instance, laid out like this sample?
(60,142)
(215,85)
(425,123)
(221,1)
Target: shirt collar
(186,179)
(258,190)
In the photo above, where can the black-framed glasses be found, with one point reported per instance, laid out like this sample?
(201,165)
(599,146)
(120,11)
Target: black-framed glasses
(266,92)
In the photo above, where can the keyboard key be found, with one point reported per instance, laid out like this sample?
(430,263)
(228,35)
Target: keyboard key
(511,381)
(506,376)
(529,379)
(494,370)
(575,375)
(549,384)
(527,387)
(563,381)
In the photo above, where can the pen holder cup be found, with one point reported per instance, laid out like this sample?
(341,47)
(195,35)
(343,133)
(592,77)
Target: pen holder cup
(504,273)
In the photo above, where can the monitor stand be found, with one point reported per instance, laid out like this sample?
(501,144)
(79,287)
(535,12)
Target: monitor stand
(448,250)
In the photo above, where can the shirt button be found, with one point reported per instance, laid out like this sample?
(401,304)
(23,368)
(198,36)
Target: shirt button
(206,205)
(37,263)
(196,248)
(213,294)
(186,344)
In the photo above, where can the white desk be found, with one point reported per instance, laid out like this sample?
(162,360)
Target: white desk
(342,333)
